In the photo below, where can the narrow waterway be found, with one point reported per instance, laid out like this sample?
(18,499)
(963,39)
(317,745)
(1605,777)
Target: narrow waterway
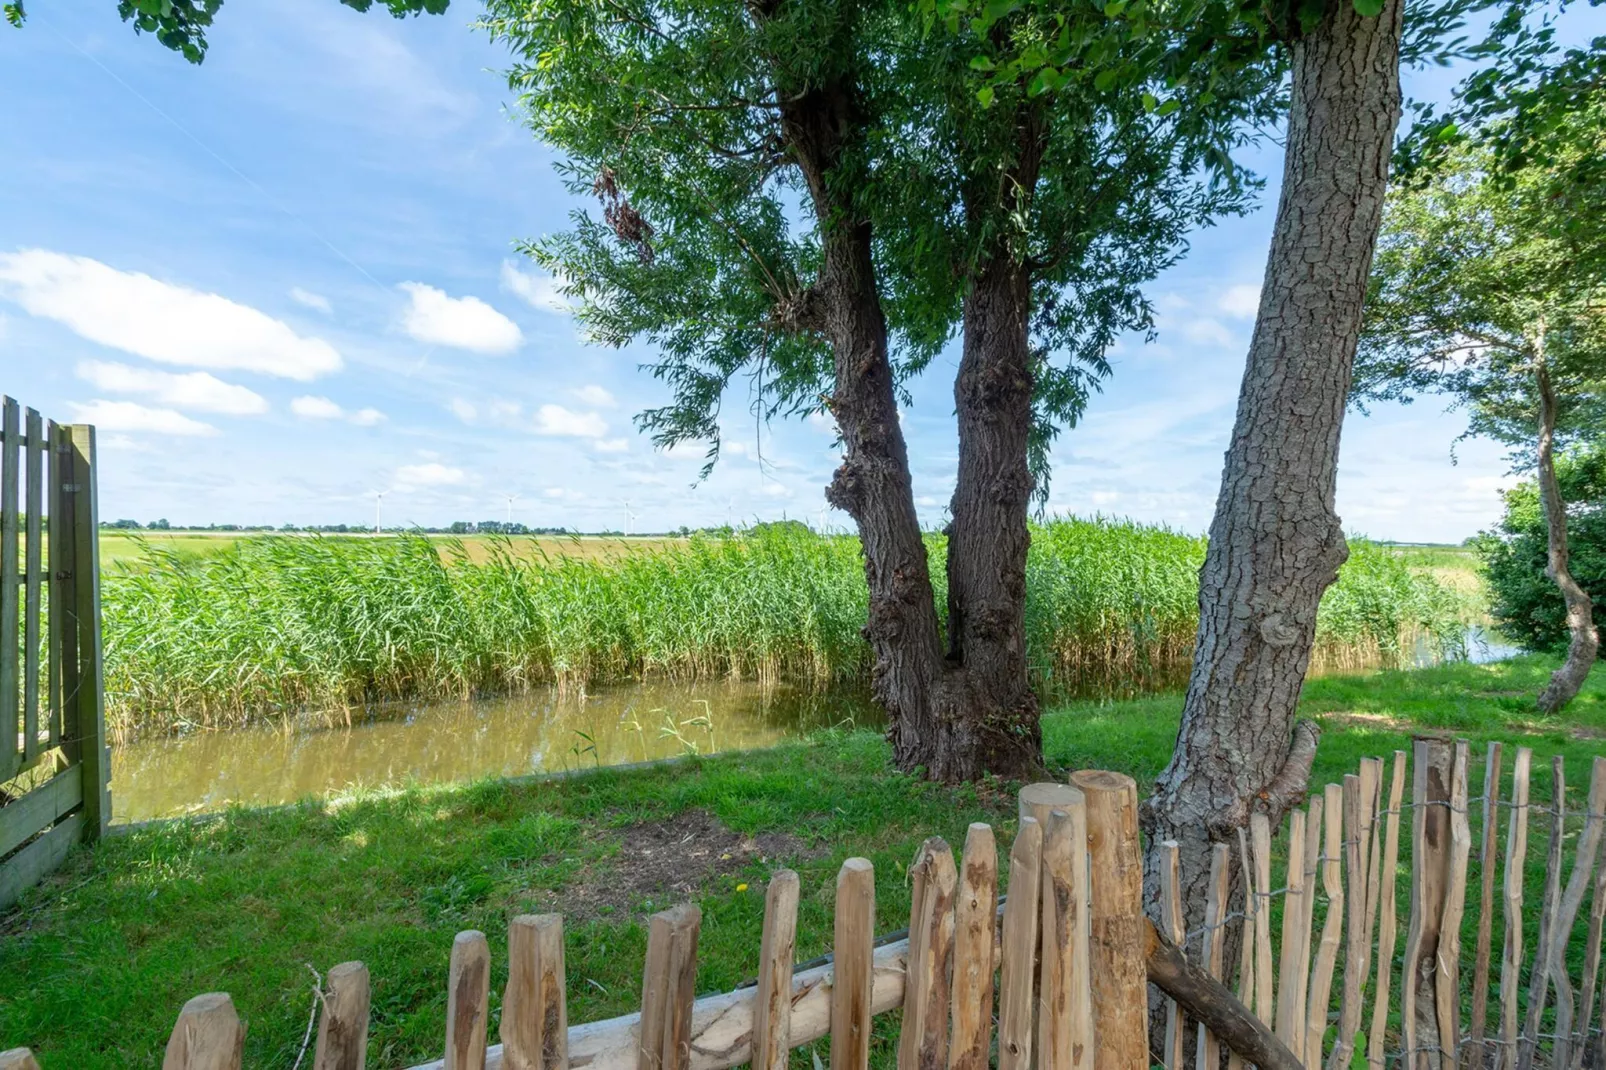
(536,732)
(539,731)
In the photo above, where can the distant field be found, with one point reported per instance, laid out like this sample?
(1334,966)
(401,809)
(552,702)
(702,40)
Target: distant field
(1457,567)
(121,547)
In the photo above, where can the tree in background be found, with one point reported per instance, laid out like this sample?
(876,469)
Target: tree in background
(815,195)
(1526,603)
(1491,288)
(182,24)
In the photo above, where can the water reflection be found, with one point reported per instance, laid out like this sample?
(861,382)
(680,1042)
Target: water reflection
(541,731)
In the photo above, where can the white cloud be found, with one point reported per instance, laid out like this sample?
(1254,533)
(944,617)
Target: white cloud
(158,320)
(131,416)
(613,445)
(557,420)
(462,322)
(433,474)
(505,410)
(1240,302)
(595,395)
(463,410)
(686,451)
(1206,331)
(314,301)
(538,291)
(316,408)
(192,390)
(313,407)
(775,490)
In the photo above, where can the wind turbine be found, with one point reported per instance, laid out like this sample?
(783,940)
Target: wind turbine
(511,498)
(379,496)
(629,516)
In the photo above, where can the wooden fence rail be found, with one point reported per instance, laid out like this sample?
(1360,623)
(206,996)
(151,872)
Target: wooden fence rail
(53,761)
(1073,952)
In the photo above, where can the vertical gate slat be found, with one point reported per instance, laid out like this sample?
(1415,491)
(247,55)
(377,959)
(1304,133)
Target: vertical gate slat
(1388,929)
(10,455)
(33,573)
(58,470)
(89,698)
(1511,956)
(1489,843)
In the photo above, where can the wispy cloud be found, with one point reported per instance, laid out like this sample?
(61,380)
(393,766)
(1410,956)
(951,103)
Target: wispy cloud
(158,320)
(432,474)
(197,391)
(1241,302)
(557,420)
(537,291)
(315,407)
(132,416)
(318,302)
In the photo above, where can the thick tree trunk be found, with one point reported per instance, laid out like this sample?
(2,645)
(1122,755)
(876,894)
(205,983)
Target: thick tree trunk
(986,719)
(1276,542)
(1584,643)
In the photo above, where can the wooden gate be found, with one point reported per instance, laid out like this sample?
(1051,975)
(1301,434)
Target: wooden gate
(53,765)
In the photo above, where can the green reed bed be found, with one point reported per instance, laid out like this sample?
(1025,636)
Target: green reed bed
(276,624)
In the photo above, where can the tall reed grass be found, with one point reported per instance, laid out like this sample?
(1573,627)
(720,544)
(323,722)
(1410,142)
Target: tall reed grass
(277,624)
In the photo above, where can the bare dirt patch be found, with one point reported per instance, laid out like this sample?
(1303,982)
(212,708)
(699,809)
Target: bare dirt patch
(670,861)
(1366,720)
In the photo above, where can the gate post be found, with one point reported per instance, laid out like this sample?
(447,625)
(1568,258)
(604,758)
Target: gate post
(83,679)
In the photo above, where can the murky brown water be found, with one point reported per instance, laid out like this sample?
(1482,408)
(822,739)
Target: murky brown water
(541,731)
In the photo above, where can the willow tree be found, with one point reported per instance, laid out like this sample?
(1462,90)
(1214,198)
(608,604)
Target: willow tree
(816,196)
(1491,288)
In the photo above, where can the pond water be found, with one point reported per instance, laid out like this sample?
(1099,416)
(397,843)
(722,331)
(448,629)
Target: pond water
(539,731)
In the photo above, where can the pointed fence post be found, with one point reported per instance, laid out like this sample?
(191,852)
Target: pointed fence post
(535,1017)
(343,1027)
(1117,925)
(207,1036)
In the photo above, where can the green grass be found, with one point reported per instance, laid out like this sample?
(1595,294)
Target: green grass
(95,964)
(279,623)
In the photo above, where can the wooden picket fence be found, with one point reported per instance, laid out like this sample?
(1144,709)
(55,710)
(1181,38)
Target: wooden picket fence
(52,706)
(1070,952)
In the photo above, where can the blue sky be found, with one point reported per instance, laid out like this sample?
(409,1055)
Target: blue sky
(284,280)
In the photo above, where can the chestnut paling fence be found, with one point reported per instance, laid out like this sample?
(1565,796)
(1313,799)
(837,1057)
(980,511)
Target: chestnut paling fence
(53,761)
(1377,961)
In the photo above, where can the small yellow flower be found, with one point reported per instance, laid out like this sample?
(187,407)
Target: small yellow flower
(741,887)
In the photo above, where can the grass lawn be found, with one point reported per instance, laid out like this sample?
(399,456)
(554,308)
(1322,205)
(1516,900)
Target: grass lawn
(95,965)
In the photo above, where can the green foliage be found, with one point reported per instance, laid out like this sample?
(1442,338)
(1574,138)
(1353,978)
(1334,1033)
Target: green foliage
(1524,600)
(181,25)
(684,119)
(282,623)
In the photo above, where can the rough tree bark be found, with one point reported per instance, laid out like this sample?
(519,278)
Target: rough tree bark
(1276,542)
(1584,642)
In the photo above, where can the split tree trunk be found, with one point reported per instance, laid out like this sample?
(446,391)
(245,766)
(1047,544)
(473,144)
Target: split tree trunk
(1276,542)
(1584,642)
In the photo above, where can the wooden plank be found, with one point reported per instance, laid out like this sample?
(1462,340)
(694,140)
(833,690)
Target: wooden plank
(1511,957)
(1539,974)
(923,1044)
(33,572)
(975,925)
(1176,931)
(772,1007)
(654,991)
(1321,978)
(687,928)
(1213,954)
(1117,958)
(1592,953)
(1016,975)
(90,698)
(1064,1002)
(343,1029)
(30,865)
(1247,941)
(468,992)
(58,551)
(18,1059)
(1447,963)
(1290,1022)
(852,992)
(1388,926)
(1357,819)
(1260,835)
(535,1015)
(1572,900)
(1488,845)
(208,1035)
(39,809)
(1432,762)
(10,604)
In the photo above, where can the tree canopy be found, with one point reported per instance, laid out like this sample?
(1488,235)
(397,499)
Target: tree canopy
(181,25)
